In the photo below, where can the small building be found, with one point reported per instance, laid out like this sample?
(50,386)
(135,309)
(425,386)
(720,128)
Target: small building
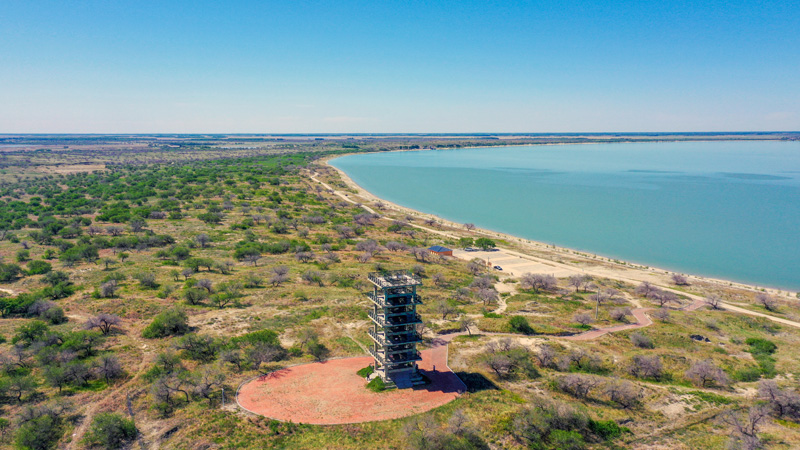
(439,250)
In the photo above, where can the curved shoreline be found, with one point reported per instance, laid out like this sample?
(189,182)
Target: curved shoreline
(537,246)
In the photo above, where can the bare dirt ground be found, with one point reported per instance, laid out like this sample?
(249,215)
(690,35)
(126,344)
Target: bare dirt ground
(66,169)
(331,392)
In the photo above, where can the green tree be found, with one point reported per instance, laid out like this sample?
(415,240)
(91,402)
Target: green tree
(484,243)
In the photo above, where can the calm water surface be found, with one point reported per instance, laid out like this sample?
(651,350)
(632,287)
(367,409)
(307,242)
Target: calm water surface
(721,209)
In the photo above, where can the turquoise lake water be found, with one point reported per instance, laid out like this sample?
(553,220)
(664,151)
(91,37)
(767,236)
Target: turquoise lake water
(723,209)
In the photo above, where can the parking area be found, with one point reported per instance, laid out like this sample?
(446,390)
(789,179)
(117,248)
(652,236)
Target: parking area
(515,265)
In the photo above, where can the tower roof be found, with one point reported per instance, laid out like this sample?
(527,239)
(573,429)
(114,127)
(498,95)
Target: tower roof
(394,278)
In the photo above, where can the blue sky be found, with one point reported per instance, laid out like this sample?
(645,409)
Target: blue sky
(398,66)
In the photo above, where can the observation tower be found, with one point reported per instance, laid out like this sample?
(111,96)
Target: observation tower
(394,330)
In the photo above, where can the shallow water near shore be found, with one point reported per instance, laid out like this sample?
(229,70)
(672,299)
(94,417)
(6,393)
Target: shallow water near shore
(727,209)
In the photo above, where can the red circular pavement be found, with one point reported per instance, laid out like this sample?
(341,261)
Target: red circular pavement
(331,392)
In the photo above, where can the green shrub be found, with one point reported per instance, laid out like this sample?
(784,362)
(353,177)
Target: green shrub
(747,374)
(110,431)
(168,323)
(366,371)
(38,267)
(376,385)
(606,429)
(265,336)
(9,272)
(566,440)
(40,433)
(491,315)
(761,346)
(520,324)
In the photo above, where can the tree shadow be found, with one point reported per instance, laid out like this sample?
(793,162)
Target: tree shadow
(476,382)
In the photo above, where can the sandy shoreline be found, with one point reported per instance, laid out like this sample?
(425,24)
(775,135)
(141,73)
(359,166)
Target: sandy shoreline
(609,267)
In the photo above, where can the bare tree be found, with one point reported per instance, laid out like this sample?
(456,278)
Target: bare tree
(766,301)
(345,231)
(579,386)
(205,284)
(108,367)
(575,281)
(500,363)
(108,289)
(364,219)
(484,282)
(114,230)
(646,289)
(746,428)
(368,246)
(235,358)
(469,226)
(252,258)
(186,273)
(679,279)
(444,308)
(263,353)
(396,246)
(137,225)
(620,314)
(304,257)
(202,239)
(313,276)
(782,402)
(421,254)
(462,294)
(206,380)
(644,366)
(623,393)
(546,355)
(706,373)
(538,282)
(641,341)
(476,266)
(466,323)
(661,314)
(487,296)
(104,322)
(664,298)
(714,301)
(280,274)
(458,424)
(583,319)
